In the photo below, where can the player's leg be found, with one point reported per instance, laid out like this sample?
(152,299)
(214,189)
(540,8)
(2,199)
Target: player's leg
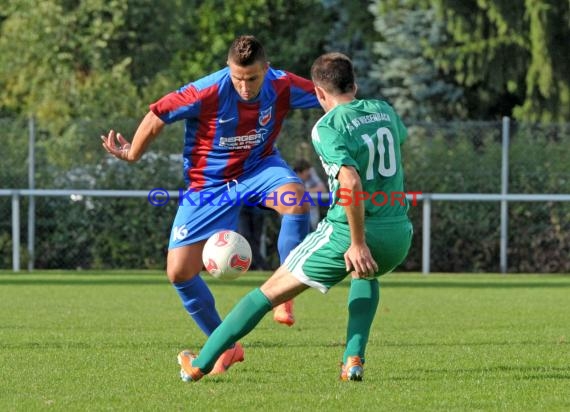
(295,225)
(283,192)
(199,215)
(195,221)
(244,317)
(296,219)
(183,268)
(389,245)
(363,300)
(309,265)
(198,300)
(320,260)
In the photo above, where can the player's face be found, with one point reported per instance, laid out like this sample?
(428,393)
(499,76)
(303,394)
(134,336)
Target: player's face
(247,80)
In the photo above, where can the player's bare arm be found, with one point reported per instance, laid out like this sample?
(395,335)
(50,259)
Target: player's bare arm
(118,146)
(358,256)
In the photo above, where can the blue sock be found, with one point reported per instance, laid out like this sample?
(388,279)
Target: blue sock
(294,228)
(199,302)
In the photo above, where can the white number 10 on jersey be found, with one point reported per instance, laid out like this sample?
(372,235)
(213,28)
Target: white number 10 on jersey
(385,142)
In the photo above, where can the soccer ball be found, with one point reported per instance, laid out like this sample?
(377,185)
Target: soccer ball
(226,255)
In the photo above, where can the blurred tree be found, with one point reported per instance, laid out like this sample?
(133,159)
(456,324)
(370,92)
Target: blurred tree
(493,58)
(54,53)
(69,62)
(62,60)
(479,52)
(352,32)
(511,57)
(291,34)
(409,77)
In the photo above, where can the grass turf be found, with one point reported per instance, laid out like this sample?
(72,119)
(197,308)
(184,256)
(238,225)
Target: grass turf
(108,341)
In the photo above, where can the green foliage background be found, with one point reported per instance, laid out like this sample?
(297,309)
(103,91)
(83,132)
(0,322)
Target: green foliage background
(63,60)
(465,157)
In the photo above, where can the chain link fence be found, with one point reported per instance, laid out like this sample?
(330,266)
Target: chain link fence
(86,232)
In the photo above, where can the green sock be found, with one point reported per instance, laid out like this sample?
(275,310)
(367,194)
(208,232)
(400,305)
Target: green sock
(239,322)
(363,300)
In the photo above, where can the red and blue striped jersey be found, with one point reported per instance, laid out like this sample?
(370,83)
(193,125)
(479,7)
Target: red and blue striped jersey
(225,136)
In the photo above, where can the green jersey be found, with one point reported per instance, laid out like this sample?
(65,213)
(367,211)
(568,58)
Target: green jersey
(367,135)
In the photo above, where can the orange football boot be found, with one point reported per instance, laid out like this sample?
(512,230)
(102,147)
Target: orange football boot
(188,373)
(353,370)
(283,313)
(227,359)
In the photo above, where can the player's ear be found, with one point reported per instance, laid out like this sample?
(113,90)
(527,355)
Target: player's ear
(320,93)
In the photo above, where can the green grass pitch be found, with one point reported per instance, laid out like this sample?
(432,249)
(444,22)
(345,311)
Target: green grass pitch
(86,341)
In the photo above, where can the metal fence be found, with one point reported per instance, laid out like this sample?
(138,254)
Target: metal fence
(427,199)
(480,210)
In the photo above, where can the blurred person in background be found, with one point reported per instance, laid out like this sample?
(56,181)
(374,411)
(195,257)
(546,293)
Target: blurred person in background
(313,184)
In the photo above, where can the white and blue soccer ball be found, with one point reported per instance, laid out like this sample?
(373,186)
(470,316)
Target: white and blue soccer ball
(226,255)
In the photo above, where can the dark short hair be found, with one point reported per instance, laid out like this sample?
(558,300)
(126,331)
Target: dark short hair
(301,165)
(246,50)
(333,72)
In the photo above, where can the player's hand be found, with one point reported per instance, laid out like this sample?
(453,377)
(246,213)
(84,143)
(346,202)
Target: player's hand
(117,145)
(359,259)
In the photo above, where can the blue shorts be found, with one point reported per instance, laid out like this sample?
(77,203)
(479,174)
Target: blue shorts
(203,213)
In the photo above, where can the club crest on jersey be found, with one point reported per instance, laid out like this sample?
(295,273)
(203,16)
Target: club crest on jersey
(265,117)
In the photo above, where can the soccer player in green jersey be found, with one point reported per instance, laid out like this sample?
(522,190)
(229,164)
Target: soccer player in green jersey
(366,232)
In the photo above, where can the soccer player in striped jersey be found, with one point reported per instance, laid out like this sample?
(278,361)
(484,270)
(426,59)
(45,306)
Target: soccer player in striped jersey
(358,142)
(232,120)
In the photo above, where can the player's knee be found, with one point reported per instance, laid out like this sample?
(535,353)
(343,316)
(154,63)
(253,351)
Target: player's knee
(173,275)
(290,199)
(178,274)
(297,203)
(296,209)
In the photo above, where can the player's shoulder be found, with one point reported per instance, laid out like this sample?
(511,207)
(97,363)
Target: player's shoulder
(389,107)
(278,79)
(326,127)
(279,75)
(217,78)
(276,74)
(379,103)
(381,106)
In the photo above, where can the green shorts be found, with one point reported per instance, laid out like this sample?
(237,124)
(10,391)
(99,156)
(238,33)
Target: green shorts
(319,260)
